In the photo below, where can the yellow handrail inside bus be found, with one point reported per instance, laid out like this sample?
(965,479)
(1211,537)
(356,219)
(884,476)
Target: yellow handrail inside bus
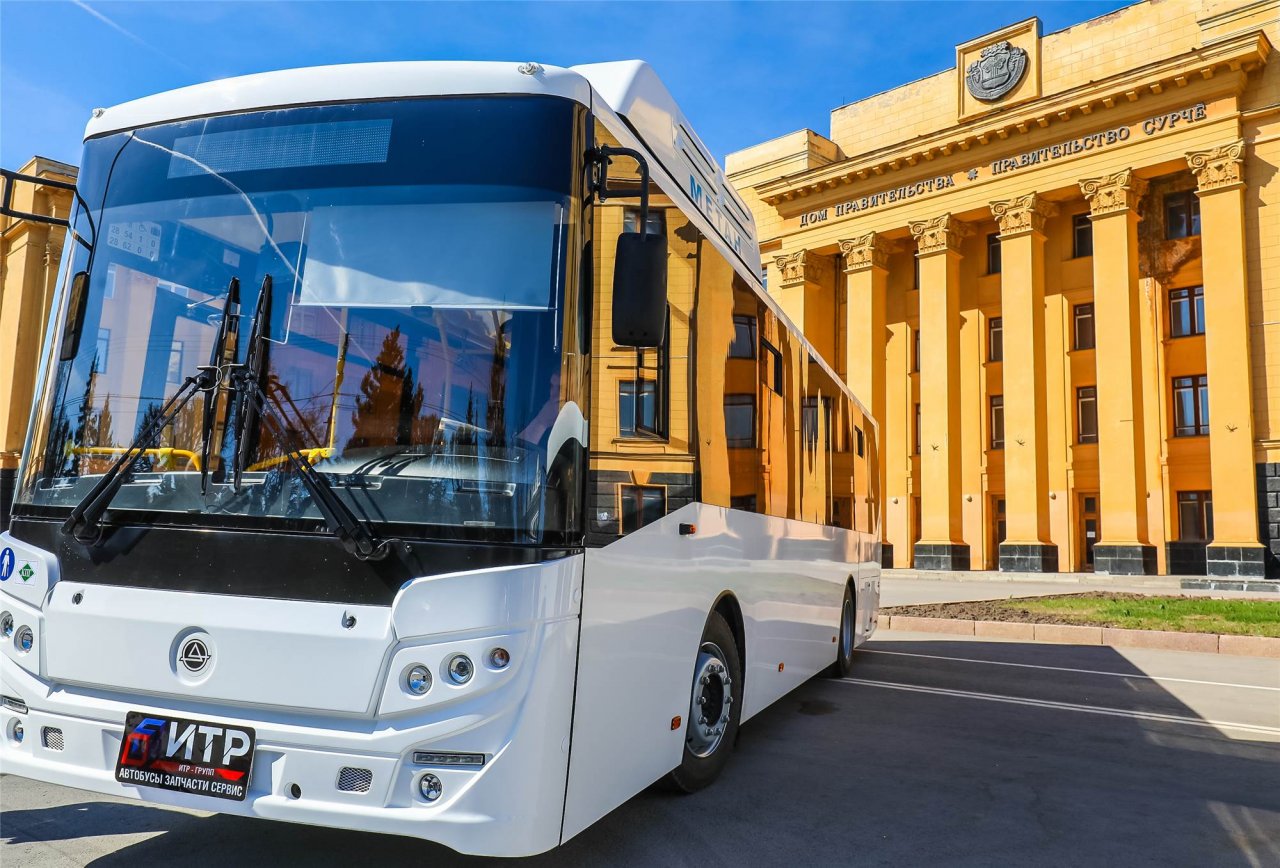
(314,454)
(167,453)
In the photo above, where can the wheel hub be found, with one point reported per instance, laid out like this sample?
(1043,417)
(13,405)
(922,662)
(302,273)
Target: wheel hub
(711,703)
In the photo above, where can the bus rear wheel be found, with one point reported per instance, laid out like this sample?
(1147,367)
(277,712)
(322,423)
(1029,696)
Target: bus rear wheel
(715,707)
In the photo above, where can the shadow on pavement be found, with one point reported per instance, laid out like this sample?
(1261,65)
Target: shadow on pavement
(841,772)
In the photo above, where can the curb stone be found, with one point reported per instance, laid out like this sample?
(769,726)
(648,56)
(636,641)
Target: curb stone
(1074,634)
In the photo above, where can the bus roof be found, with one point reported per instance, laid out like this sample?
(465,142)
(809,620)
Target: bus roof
(630,88)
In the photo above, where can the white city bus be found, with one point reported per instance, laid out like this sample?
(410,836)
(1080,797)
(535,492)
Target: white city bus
(417,451)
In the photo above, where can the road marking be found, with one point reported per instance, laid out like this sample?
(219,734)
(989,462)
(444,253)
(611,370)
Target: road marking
(1067,669)
(1069,706)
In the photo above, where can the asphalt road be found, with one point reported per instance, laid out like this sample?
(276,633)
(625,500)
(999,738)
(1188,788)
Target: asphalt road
(935,751)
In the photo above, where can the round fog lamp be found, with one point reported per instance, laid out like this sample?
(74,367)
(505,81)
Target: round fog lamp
(430,787)
(25,639)
(499,658)
(418,679)
(6,625)
(460,669)
(17,731)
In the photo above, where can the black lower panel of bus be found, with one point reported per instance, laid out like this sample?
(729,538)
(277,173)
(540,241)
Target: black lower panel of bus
(277,565)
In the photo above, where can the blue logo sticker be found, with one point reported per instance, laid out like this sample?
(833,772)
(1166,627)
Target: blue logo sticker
(6,564)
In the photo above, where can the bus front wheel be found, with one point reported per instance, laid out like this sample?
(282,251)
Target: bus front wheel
(715,707)
(848,635)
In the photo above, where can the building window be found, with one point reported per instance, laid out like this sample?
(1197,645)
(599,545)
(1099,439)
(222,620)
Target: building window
(744,502)
(764,276)
(657,221)
(638,408)
(995,339)
(915,279)
(176,371)
(772,367)
(1082,317)
(1087,414)
(861,442)
(641,505)
(1195,516)
(103,347)
(1190,406)
(915,349)
(740,421)
(1081,235)
(917,430)
(809,424)
(993,253)
(997,421)
(744,337)
(1181,214)
(1186,312)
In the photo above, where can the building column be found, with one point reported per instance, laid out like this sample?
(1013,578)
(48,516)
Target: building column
(1124,547)
(1027,546)
(866,269)
(942,545)
(1235,550)
(806,292)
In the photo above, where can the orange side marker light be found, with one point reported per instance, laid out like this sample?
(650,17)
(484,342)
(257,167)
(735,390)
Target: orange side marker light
(675,723)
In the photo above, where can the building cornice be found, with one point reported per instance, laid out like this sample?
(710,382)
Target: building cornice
(1240,54)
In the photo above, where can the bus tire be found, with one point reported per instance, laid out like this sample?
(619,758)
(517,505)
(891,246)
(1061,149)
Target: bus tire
(848,635)
(715,707)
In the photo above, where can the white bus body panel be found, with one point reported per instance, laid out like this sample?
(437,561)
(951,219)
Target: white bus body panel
(278,669)
(645,603)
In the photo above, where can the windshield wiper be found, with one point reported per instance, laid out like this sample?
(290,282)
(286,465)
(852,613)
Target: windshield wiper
(254,401)
(255,367)
(221,358)
(85,521)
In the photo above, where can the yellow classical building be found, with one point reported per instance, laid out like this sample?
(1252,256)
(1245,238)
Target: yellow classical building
(1053,273)
(30,252)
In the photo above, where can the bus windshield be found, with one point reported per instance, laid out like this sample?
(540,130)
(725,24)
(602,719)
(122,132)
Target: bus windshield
(415,252)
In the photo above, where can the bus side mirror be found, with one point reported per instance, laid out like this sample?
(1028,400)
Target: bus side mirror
(75,317)
(640,290)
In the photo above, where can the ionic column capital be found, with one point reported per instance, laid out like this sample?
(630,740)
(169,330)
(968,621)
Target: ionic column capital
(939,234)
(1120,191)
(865,251)
(803,266)
(1022,214)
(1218,168)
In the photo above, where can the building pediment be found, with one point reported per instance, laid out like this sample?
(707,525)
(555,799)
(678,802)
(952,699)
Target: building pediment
(1225,63)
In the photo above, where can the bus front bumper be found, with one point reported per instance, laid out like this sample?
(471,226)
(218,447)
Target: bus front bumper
(510,806)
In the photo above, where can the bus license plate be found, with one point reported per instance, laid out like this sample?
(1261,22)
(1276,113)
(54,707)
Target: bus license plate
(189,756)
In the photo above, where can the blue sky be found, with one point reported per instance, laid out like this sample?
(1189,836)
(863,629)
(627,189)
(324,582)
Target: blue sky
(743,72)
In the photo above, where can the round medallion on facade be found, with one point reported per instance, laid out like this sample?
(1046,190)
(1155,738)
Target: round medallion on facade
(996,72)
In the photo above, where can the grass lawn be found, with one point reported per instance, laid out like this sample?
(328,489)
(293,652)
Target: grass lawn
(1187,614)
(1131,611)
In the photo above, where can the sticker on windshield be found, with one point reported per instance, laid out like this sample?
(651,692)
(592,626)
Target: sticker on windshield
(141,238)
(6,564)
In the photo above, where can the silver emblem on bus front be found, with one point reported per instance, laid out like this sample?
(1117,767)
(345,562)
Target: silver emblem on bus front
(195,655)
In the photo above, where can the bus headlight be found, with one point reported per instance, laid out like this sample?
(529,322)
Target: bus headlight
(16,732)
(460,669)
(499,658)
(418,679)
(6,625)
(25,639)
(430,787)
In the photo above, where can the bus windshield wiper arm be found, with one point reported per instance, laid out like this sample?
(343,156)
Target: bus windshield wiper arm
(255,368)
(85,521)
(252,396)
